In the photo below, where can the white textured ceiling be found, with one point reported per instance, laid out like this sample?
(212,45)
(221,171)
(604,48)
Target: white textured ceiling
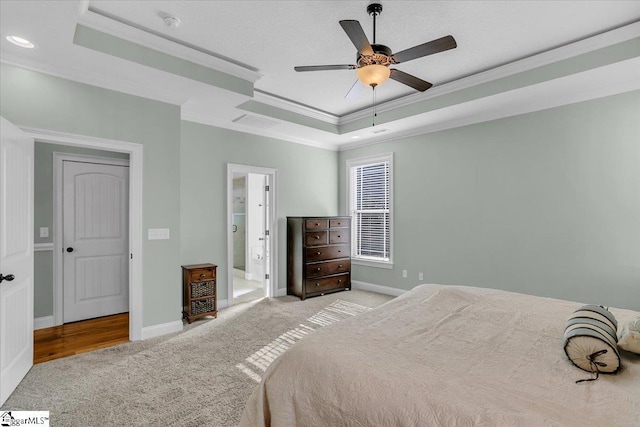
(274,36)
(271,37)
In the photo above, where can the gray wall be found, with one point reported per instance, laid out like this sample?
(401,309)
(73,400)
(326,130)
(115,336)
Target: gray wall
(307,182)
(38,100)
(43,217)
(546,203)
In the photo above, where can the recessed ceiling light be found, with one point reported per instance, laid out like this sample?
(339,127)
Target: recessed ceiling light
(19,41)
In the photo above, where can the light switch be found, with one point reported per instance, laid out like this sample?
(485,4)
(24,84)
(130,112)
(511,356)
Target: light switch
(44,231)
(158,233)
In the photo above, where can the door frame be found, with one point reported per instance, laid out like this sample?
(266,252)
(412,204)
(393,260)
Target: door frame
(135,152)
(272,289)
(58,210)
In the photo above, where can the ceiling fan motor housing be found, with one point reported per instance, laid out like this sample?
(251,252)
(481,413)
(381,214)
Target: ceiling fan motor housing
(381,56)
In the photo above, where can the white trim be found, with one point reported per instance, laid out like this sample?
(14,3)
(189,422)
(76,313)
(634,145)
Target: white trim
(42,322)
(272,289)
(359,161)
(222,303)
(96,20)
(58,279)
(386,290)
(281,292)
(42,247)
(105,81)
(214,119)
(294,107)
(135,152)
(161,329)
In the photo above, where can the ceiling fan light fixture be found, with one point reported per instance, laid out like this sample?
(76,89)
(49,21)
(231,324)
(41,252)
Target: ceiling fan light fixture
(373,75)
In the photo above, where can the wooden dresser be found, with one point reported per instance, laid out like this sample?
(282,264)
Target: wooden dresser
(199,296)
(318,255)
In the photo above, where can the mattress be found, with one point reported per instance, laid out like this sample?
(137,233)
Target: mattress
(445,355)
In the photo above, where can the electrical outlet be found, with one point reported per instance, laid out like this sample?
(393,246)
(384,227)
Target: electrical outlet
(420,276)
(404,273)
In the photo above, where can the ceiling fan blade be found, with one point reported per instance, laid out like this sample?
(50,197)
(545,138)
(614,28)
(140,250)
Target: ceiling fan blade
(409,80)
(355,90)
(325,67)
(428,48)
(358,37)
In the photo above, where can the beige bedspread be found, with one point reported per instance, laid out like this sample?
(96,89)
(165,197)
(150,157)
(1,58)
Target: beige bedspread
(445,356)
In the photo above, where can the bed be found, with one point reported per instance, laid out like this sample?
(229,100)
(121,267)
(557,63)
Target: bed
(445,356)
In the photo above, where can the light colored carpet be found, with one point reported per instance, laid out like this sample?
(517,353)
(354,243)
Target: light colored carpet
(199,377)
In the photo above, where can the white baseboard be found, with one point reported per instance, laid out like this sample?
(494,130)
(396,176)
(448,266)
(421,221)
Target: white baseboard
(248,276)
(386,290)
(222,303)
(42,322)
(281,292)
(161,329)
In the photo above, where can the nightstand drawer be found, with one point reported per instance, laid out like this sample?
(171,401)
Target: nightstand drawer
(201,275)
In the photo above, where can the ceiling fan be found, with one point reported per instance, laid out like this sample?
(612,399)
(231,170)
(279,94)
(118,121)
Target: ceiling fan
(373,61)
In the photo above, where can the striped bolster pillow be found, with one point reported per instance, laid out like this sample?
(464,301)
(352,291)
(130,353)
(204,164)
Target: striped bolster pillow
(590,340)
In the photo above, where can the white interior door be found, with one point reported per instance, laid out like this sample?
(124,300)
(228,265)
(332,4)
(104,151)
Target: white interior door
(16,257)
(95,234)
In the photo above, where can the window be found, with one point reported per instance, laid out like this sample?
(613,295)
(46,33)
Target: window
(370,205)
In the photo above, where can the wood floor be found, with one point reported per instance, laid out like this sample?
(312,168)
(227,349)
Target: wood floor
(80,337)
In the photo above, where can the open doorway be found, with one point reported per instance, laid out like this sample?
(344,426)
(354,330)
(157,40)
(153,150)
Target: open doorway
(248,229)
(251,210)
(57,141)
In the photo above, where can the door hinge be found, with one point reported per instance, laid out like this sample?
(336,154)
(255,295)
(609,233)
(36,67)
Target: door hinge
(266,232)
(266,188)
(266,276)
(131,256)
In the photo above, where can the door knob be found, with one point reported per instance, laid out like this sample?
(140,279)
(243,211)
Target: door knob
(69,249)
(8,277)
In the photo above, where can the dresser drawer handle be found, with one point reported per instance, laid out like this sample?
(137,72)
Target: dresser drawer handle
(339,265)
(340,281)
(318,269)
(203,275)
(339,252)
(317,284)
(317,237)
(318,253)
(339,236)
(317,223)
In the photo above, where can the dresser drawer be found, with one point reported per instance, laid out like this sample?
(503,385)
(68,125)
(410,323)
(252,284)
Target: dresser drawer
(328,267)
(201,275)
(327,252)
(328,283)
(339,223)
(315,238)
(339,236)
(316,224)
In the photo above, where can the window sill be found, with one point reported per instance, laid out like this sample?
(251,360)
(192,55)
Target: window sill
(369,263)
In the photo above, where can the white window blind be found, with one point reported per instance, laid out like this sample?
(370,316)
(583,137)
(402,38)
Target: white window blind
(370,187)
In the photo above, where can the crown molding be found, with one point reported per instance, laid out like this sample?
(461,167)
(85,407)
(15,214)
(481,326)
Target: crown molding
(550,94)
(109,82)
(211,120)
(580,47)
(294,107)
(102,22)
